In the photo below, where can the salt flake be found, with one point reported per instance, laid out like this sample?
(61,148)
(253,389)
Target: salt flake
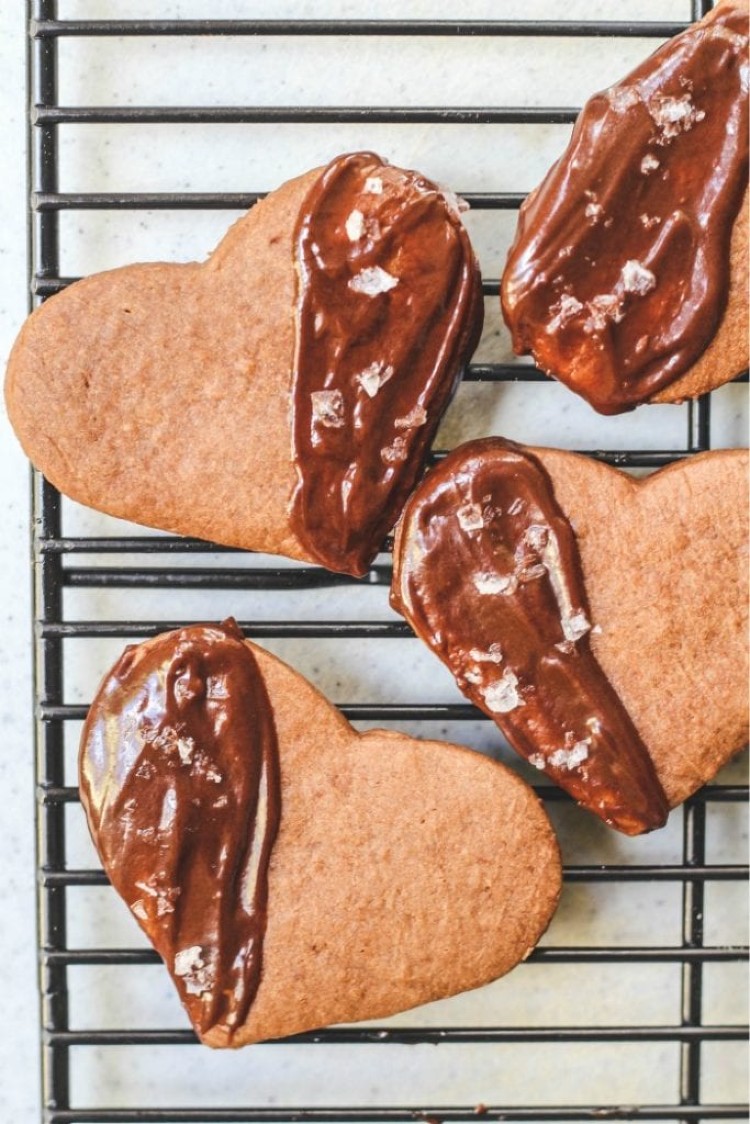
(575,626)
(674,115)
(636,278)
(488,584)
(570,759)
(396,451)
(412,420)
(373,377)
(185,747)
(470,517)
(190,966)
(503,696)
(355,226)
(373,281)
(492,655)
(623,98)
(328,408)
(566,308)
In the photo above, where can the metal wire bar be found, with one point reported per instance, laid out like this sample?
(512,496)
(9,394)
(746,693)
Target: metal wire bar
(47,601)
(514,28)
(713,794)
(727,872)
(391,1115)
(43,114)
(419,1035)
(694,851)
(607,954)
(216,200)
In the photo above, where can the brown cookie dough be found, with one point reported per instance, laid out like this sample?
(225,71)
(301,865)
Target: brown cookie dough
(400,870)
(665,560)
(628,276)
(530,583)
(276,397)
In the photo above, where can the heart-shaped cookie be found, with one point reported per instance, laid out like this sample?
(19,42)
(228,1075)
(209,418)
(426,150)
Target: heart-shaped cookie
(628,276)
(485,570)
(291,872)
(281,396)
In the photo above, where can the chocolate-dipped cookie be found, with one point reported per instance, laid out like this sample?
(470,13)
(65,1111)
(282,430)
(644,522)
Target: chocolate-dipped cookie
(628,276)
(600,620)
(290,871)
(281,396)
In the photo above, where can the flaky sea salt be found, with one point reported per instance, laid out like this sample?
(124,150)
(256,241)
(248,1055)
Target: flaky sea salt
(185,747)
(470,517)
(575,626)
(492,655)
(604,309)
(536,536)
(373,377)
(488,584)
(328,408)
(636,278)
(569,759)
(566,308)
(623,98)
(395,452)
(355,226)
(190,966)
(503,695)
(673,116)
(412,420)
(373,281)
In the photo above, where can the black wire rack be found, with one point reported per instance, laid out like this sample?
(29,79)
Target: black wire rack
(56,570)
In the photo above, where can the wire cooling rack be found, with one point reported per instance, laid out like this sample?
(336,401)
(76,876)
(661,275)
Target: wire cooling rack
(673,1052)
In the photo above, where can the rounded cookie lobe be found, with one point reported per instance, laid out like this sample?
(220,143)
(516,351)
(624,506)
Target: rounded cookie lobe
(620,272)
(487,572)
(389,308)
(402,870)
(665,560)
(168,394)
(180,782)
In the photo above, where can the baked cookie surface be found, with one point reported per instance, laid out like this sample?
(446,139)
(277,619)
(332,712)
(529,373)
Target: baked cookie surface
(628,276)
(529,591)
(399,871)
(281,396)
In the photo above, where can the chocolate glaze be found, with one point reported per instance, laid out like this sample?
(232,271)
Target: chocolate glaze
(180,782)
(389,308)
(487,571)
(619,273)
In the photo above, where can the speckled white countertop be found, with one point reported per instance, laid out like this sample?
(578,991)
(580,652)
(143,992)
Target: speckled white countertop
(191,71)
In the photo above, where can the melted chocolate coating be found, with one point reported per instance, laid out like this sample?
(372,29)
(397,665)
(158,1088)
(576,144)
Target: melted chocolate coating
(487,571)
(180,783)
(389,309)
(619,274)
